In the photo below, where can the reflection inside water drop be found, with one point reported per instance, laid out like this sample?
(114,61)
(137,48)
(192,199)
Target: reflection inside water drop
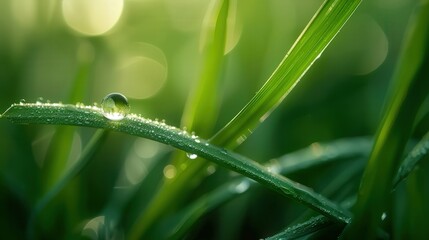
(115,106)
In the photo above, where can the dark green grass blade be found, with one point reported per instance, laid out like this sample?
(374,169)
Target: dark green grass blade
(303,229)
(320,31)
(409,89)
(417,154)
(83,161)
(134,125)
(309,157)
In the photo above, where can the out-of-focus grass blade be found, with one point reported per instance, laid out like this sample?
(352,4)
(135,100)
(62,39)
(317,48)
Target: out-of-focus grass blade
(83,161)
(323,27)
(134,125)
(201,109)
(417,154)
(303,229)
(320,153)
(199,115)
(59,149)
(178,225)
(309,157)
(409,89)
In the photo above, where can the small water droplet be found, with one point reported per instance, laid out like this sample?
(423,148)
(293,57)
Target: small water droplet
(191,155)
(115,106)
(22,102)
(383,216)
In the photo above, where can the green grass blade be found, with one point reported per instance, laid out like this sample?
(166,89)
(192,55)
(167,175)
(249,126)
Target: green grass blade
(307,158)
(417,154)
(199,115)
(59,150)
(83,161)
(201,109)
(303,229)
(322,153)
(409,89)
(134,125)
(323,27)
(315,38)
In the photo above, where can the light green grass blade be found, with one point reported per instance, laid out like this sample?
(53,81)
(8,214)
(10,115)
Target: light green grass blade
(324,26)
(409,89)
(83,161)
(200,114)
(134,125)
(202,106)
(417,154)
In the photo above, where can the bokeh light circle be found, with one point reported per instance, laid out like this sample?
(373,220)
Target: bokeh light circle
(92,17)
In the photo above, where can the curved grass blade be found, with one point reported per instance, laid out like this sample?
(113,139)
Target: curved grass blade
(321,153)
(309,157)
(134,125)
(408,91)
(320,31)
(417,154)
(89,150)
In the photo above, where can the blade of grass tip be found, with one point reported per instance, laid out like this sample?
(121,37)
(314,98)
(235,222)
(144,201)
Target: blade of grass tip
(309,46)
(87,154)
(132,124)
(417,154)
(306,158)
(408,91)
(199,115)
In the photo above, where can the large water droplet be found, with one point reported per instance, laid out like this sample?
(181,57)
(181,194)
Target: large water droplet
(115,106)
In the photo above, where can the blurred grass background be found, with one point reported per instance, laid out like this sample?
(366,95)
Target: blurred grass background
(149,50)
